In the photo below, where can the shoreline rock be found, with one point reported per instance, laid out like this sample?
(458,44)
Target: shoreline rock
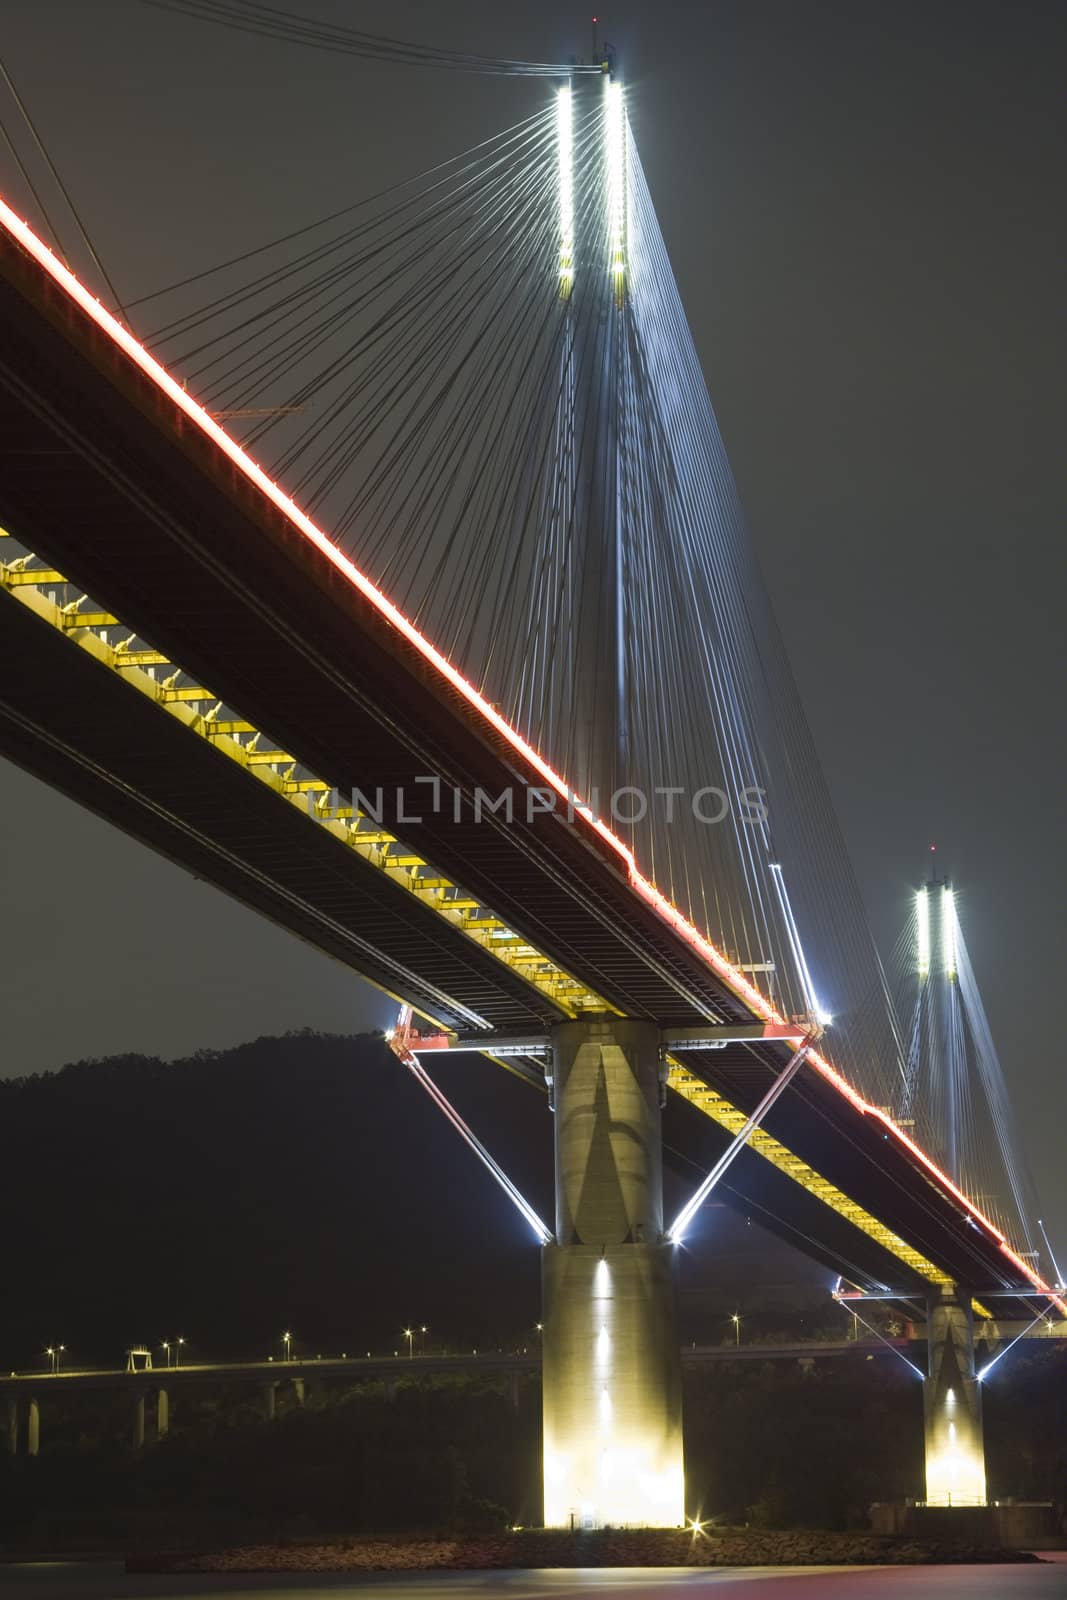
(531,1548)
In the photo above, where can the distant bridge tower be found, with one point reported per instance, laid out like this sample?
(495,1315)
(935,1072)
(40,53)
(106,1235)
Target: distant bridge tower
(611,1370)
(937,1055)
(952,1400)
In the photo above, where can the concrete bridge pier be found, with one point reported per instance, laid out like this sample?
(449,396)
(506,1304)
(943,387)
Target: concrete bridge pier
(33,1428)
(13,1425)
(162,1414)
(952,1404)
(611,1366)
(138,1420)
(270,1401)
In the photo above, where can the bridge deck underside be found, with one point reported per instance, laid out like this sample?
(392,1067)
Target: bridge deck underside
(75,724)
(754,1189)
(106,477)
(857,1154)
(71,722)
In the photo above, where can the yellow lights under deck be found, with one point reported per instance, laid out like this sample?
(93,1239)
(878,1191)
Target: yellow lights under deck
(713,1105)
(102,635)
(199,710)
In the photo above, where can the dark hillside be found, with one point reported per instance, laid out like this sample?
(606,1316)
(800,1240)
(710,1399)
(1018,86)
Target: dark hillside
(301,1182)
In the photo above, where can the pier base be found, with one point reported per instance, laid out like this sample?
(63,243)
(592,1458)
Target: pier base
(1007,1525)
(611,1371)
(952,1406)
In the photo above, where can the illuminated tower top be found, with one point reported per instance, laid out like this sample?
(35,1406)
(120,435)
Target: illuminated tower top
(936,1051)
(935,926)
(603,170)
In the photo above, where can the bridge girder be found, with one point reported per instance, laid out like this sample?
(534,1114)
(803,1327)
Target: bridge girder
(110,474)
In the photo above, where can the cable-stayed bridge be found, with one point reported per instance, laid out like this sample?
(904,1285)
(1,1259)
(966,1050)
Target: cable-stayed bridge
(459,666)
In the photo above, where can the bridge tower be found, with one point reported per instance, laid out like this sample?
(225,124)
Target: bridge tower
(594,290)
(611,1369)
(952,1405)
(952,1396)
(937,1052)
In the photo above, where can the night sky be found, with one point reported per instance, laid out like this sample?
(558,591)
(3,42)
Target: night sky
(863,203)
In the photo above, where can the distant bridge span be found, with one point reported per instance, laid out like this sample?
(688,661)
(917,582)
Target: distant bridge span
(28,1394)
(483,1363)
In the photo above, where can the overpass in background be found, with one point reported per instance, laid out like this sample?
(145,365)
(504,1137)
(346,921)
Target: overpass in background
(26,1394)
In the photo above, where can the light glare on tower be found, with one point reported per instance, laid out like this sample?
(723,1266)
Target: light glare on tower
(922,924)
(948,931)
(565,141)
(615,149)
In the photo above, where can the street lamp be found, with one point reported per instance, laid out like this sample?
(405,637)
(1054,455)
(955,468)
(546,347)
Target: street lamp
(287,1346)
(422,1340)
(736,1320)
(53,1353)
(409,1335)
(174,1351)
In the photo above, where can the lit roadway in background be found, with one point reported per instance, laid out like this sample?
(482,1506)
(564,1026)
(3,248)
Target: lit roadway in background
(392,1366)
